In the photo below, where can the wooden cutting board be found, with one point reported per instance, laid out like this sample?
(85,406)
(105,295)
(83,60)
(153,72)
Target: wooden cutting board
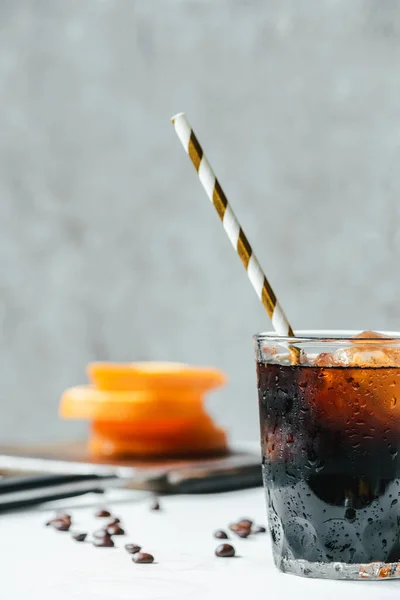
(237,469)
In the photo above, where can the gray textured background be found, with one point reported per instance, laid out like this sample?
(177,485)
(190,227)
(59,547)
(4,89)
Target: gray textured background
(109,248)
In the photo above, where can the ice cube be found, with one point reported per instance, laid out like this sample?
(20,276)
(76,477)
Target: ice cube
(365,357)
(325,359)
(368,354)
(373,337)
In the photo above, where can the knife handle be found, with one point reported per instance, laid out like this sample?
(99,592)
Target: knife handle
(31,482)
(21,492)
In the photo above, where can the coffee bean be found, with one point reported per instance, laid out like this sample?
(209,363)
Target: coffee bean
(242,528)
(61,525)
(105,542)
(243,533)
(115,530)
(225,551)
(100,534)
(79,537)
(48,523)
(258,529)
(155,505)
(132,548)
(114,521)
(64,517)
(234,527)
(243,523)
(220,534)
(103,513)
(142,558)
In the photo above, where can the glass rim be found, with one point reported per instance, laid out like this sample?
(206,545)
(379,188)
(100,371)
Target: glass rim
(326,335)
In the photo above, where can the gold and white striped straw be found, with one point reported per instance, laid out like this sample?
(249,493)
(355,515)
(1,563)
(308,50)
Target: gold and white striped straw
(232,226)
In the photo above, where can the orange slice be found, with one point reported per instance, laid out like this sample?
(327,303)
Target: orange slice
(154,376)
(143,429)
(87,402)
(193,440)
(125,430)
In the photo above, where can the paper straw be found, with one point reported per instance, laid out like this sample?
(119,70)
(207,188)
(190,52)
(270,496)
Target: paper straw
(232,226)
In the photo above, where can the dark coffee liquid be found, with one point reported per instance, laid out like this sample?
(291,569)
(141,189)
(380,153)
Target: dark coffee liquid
(330,440)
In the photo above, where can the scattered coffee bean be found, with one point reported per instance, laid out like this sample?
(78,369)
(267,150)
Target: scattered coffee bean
(48,523)
(234,527)
(61,525)
(103,513)
(225,551)
(114,521)
(258,529)
(132,548)
(243,523)
(142,558)
(220,534)
(64,517)
(80,537)
(105,542)
(100,534)
(115,530)
(155,505)
(243,533)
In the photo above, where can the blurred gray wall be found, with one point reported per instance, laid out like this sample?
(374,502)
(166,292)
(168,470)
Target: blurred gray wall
(109,248)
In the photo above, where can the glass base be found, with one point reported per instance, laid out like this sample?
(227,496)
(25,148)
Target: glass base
(338,570)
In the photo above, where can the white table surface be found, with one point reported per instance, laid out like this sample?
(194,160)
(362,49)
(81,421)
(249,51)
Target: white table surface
(39,563)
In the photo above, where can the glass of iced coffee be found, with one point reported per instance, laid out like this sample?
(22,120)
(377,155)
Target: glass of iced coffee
(330,437)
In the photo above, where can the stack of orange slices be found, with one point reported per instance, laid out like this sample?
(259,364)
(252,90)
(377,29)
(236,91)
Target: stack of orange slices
(147,409)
